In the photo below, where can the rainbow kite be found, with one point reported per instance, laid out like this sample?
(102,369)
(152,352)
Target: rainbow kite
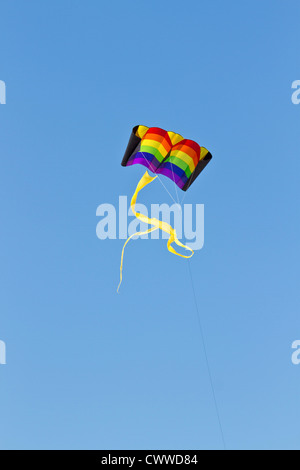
(169,154)
(166,153)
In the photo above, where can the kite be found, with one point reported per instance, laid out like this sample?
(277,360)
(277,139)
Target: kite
(163,153)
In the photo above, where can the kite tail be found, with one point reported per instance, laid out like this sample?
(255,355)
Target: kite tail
(157,225)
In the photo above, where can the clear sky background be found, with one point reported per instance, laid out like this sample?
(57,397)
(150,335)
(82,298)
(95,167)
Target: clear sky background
(87,368)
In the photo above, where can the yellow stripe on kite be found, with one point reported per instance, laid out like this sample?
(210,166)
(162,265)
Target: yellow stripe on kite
(175,138)
(151,143)
(203,153)
(141,131)
(184,157)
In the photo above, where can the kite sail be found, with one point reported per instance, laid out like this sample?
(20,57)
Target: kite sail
(181,160)
(169,154)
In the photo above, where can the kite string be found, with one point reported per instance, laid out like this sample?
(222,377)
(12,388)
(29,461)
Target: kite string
(202,334)
(159,178)
(193,289)
(207,360)
(194,294)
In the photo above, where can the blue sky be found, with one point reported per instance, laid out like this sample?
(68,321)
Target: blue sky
(90,369)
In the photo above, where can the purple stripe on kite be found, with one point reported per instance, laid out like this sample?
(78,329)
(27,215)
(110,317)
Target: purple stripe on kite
(169,174)
(174,168)
(146,159)
(168,169)
(179,181)
(174,176)
(144,156)
(180,184)
(141,161)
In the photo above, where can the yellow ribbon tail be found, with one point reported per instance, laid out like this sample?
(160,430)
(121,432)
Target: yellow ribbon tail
(122,256)
(157,225)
